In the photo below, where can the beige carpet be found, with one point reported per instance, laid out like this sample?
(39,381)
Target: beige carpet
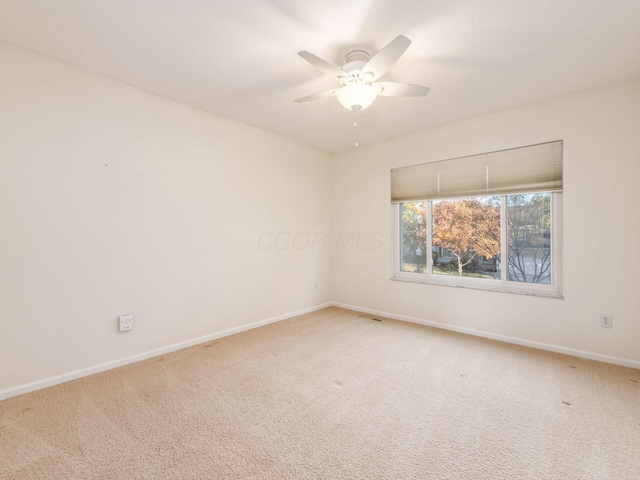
(331,395)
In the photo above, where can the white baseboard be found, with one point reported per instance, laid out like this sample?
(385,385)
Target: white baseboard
(502,338)
(66,377)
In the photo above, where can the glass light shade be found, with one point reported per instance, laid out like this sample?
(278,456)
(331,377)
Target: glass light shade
(357,96)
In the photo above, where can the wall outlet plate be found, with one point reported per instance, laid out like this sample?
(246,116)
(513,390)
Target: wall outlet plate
(606,320)
(126,322)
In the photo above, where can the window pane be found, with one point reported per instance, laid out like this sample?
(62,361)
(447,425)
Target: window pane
(413,232)
(466,237)
(529,238)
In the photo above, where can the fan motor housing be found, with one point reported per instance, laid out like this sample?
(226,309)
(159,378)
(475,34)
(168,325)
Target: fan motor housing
(356,59)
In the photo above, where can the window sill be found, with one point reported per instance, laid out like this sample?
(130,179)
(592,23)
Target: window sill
(467,283)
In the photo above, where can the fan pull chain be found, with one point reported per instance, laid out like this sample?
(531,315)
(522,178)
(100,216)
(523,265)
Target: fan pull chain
(355,127)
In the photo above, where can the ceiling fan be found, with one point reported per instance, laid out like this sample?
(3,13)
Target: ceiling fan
(358,86)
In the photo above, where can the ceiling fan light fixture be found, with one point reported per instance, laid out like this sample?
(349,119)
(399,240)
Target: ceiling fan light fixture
(357,96)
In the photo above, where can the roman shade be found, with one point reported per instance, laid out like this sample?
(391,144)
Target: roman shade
(534,168)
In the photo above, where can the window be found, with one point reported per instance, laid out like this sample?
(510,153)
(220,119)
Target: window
(506,242)
(467,240)
(529,238)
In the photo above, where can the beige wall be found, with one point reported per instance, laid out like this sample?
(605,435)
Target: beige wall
(113,200)
(600,129)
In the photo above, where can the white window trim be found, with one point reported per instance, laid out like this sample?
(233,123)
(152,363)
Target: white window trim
(553,290)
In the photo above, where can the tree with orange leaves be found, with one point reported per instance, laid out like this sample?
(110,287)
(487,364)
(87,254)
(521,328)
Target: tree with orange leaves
(467,228)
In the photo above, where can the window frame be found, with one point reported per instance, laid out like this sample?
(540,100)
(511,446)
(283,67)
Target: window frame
(553,290)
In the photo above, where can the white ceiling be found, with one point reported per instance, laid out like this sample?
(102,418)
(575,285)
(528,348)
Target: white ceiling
(238,58)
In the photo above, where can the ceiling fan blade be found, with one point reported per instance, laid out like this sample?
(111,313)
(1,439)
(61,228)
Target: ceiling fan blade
(394,89)
(323,66)
(382,61)
(317,96)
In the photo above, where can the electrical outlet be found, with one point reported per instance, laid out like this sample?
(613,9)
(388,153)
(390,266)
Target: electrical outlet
(126,322)
(606,321)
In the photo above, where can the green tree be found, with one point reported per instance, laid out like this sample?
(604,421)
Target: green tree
(414,231)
